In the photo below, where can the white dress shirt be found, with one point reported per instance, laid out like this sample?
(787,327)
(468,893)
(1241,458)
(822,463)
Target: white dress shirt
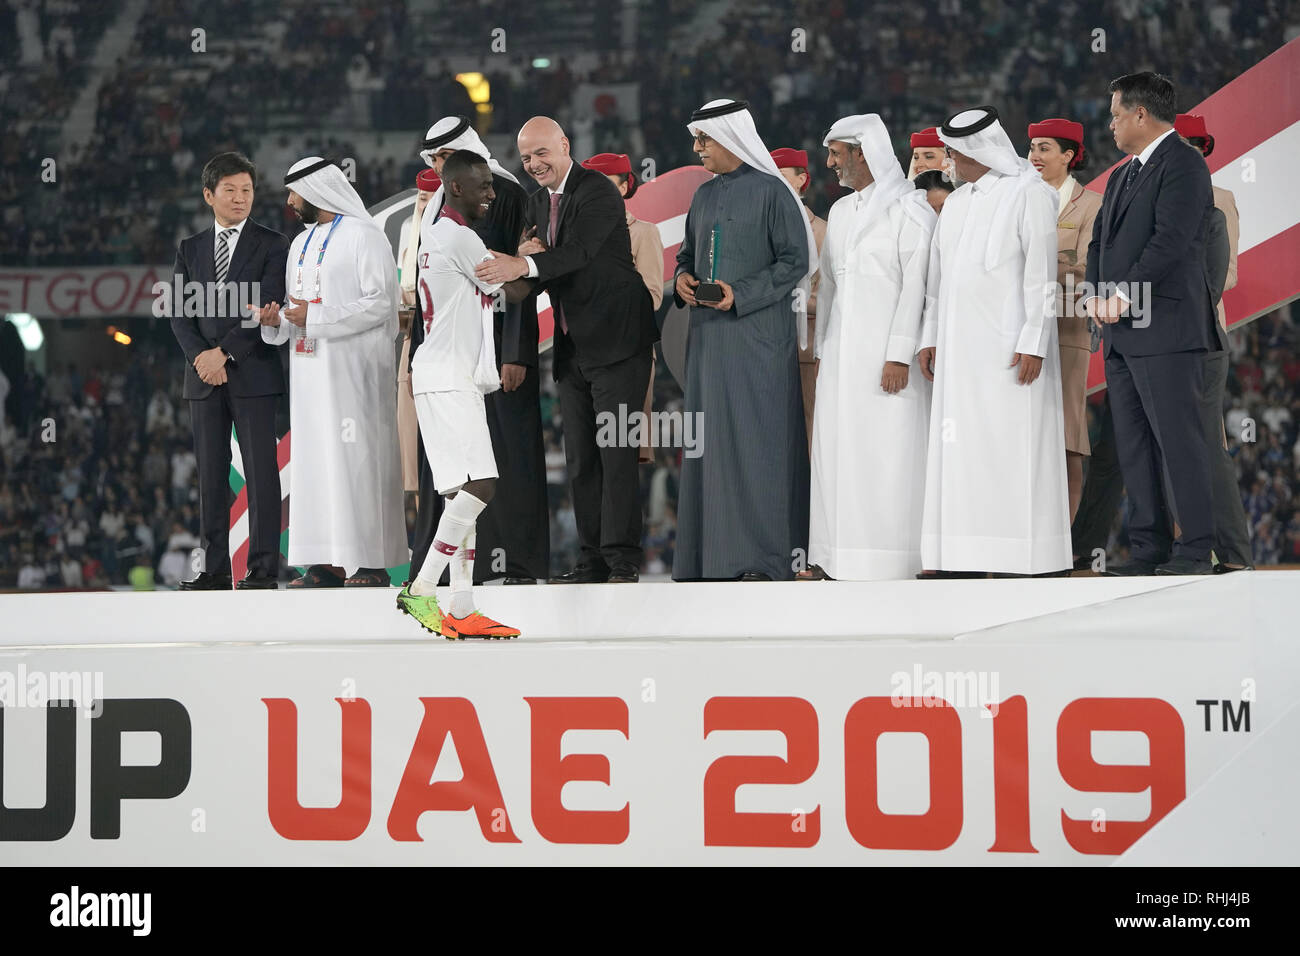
(557,191)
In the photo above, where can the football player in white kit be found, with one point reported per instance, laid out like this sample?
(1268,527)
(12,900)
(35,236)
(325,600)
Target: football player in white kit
(452,370)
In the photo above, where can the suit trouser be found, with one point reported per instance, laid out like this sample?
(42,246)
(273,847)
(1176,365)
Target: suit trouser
(1102,490)
(1155,401)
(1231,531)
(254,421)
(603,475)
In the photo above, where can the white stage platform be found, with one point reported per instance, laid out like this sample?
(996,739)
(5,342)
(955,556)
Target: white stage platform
(1079,721)
(908,610)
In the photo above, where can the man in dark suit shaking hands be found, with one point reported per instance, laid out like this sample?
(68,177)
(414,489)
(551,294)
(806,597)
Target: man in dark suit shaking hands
(1155,307)
(578,250)
(232,375)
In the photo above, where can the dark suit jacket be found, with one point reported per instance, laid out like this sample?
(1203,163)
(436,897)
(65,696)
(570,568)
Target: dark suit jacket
(1218,252)
(1155,233)
(259,257)
(590,271)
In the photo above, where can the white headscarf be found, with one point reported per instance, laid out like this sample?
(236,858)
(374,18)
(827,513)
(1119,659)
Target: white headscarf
(867,131)
(327,188)
(467,138)
(991,146)
(737,133)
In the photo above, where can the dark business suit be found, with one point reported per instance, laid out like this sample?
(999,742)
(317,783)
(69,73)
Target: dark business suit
(1231,529)
(602,362)
(515,525)
(254,380)
(1150,237)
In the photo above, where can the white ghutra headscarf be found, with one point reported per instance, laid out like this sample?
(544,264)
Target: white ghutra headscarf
(732,125)
(867,132)
(323,185)
(978,133)
(454,132)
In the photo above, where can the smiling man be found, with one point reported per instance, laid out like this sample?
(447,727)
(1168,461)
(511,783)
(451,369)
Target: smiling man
(580,253)
(514,530)
(232,376)
(743,502)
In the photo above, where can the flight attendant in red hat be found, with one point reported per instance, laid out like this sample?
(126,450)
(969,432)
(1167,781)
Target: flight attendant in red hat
(927,152)
(1056,151)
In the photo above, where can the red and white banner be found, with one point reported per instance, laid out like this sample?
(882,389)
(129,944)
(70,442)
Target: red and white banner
(1255,122)
(81,292)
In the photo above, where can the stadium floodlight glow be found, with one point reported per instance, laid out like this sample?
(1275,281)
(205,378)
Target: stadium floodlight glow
(29,330)
(541,63)
(480,91)
(120,337)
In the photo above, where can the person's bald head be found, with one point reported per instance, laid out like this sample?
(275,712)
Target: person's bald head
(544,151)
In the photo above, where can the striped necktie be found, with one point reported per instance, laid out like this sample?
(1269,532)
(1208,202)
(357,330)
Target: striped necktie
(223,253)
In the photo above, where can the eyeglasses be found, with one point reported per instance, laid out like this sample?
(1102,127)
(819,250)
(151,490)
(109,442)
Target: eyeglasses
(947,151)
(702,140)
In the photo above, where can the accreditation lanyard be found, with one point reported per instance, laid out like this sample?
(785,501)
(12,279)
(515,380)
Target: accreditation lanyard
(320,256)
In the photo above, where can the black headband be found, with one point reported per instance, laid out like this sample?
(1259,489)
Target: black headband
(990,117)
(433,142)
(723,110)
(306,171)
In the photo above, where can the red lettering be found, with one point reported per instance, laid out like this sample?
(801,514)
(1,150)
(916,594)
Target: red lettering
(797,720)
(940,825)
(476,790)
(346,821)
(1011,777)
(1165,775)
(551,717)
(76,294)
(96,287)
(144,291)
(26,278)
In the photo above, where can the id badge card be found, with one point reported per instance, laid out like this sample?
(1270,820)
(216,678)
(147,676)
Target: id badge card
(304,344)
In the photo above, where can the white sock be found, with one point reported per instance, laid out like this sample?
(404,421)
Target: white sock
(458,518)
(462,577)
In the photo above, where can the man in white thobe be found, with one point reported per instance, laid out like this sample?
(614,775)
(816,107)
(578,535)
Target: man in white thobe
(870,426)
(995,490)
(345,485)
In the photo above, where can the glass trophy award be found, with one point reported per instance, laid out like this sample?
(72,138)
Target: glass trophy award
(710,291)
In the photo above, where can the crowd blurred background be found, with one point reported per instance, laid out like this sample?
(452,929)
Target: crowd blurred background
(129,98)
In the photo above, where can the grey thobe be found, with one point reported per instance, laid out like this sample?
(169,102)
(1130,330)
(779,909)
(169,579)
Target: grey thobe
(743,500)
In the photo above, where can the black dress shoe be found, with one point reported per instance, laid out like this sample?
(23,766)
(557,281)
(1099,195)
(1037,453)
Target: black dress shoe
(257,582)
(755,576)
(1185,565)
(519,581)
(1225,569)
(582,574)
(207,582)
(1137,568)
(624,574)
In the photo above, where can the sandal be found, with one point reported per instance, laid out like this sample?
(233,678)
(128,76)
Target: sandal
(369,578)
(317,576)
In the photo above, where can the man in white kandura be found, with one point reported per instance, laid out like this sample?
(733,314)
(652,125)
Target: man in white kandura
(995,489)
(345,486)
(870,427)
(453,369)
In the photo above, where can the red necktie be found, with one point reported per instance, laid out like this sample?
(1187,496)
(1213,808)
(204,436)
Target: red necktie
(555,222)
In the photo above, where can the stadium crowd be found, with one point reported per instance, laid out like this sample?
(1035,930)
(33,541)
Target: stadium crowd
(113,495)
